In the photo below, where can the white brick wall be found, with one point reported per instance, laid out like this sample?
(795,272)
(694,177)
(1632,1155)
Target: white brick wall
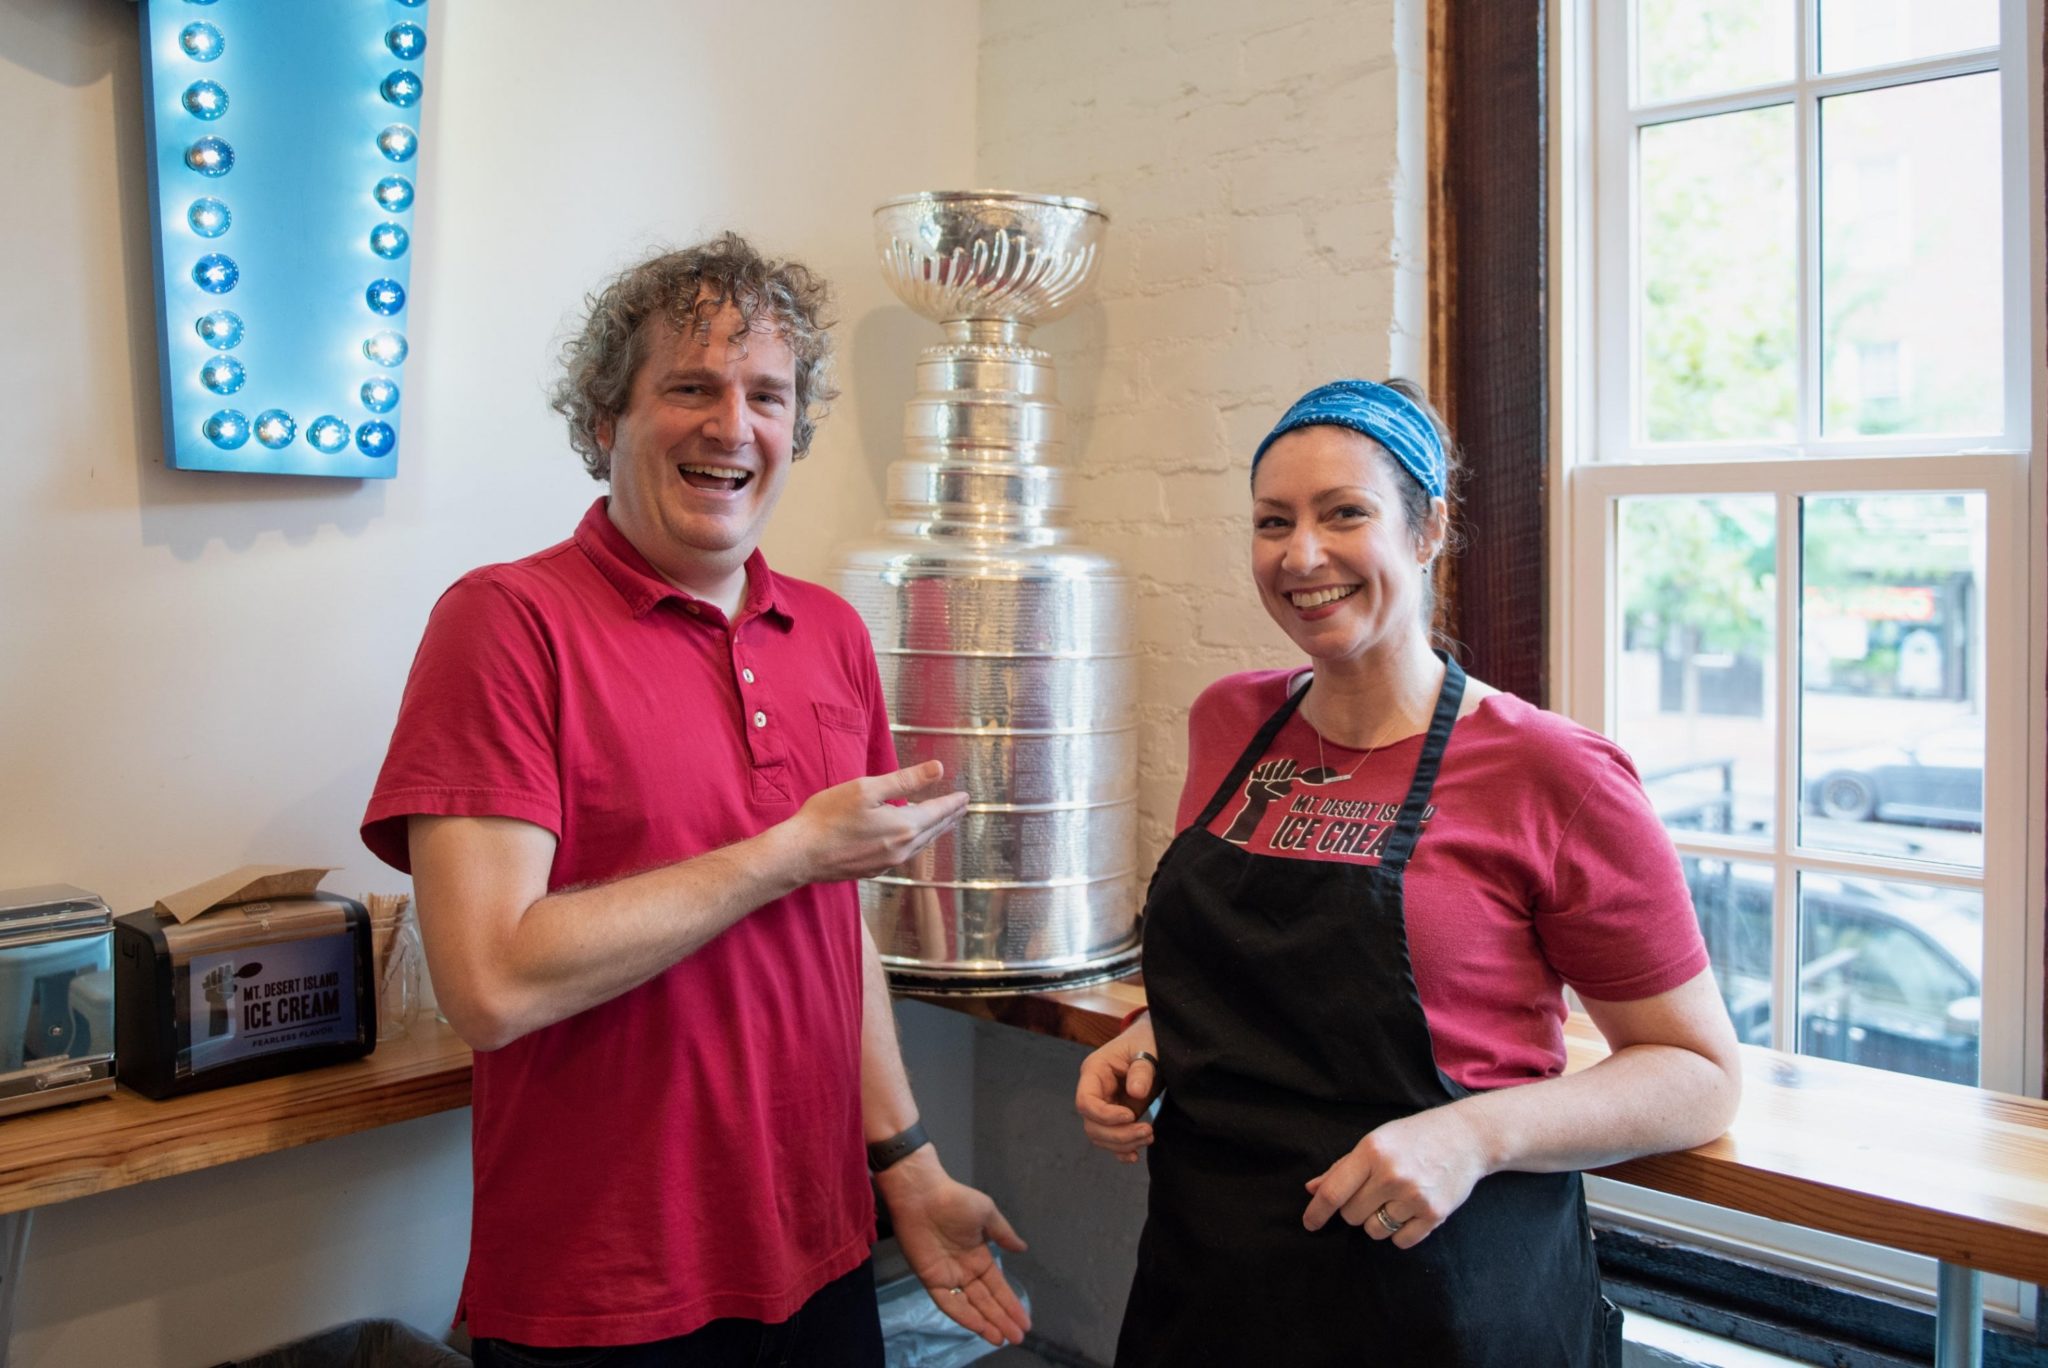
(1262,169)
(1261,166)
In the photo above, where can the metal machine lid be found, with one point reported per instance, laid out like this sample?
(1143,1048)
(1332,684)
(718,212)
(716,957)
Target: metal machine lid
(44,907)
(48,1082)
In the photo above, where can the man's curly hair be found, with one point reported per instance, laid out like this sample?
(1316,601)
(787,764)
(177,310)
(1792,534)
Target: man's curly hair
(688,289)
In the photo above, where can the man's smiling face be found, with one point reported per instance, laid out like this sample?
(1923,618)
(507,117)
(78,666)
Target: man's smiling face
(703,449)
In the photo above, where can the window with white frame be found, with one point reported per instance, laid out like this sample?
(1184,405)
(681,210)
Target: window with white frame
(1800,546)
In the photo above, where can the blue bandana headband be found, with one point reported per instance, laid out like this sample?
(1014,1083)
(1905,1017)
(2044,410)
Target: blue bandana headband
(1387,416)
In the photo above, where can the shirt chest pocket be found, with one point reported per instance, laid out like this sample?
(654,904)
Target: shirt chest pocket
(843,741)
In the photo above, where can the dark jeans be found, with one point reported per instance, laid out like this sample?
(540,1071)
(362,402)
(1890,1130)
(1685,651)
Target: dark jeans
(837,1328)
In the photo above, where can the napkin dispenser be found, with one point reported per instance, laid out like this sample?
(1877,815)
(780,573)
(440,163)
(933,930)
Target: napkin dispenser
(243,992)
(56,997)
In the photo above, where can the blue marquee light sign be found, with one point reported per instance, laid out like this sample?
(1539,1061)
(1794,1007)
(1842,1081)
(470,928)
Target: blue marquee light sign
(284,150)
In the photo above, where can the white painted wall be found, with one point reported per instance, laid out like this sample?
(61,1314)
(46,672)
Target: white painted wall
(198,670)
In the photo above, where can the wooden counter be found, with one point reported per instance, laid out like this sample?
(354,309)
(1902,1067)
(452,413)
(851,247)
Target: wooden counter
(1954,1173)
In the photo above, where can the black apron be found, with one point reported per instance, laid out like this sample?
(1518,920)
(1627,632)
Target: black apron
(1289,1027)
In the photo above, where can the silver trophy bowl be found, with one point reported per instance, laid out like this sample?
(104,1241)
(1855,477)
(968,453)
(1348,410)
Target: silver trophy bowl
(1005,646)
(988,256)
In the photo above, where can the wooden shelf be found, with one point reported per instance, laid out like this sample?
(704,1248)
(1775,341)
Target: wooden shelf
(75,1151)
(1954,1173)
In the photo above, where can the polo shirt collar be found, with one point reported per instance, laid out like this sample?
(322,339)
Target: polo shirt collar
(642,586)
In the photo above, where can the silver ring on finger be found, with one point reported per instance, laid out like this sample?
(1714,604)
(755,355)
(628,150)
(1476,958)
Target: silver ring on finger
(1145,1055)
(1387,1223)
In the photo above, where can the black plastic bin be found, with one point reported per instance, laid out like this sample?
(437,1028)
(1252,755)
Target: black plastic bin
(361,1344)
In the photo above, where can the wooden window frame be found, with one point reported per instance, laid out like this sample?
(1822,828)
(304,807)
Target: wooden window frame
(1491,372)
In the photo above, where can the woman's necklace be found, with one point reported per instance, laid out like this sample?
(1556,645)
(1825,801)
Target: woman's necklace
(1331,777)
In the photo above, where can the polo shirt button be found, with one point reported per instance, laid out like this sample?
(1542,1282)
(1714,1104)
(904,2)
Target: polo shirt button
(760,719)
(747,675)
(690,608)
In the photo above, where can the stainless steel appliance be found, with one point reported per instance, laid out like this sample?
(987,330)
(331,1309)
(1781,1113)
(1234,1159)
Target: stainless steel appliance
(56,997)
(1005,646)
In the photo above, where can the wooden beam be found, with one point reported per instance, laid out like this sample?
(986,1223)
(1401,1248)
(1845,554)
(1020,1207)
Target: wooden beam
(1488,326)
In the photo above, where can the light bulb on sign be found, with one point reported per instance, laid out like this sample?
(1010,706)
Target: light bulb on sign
(398,142)
(376,439)
(385,348)
(210,157)
(406,41)
(222,374)
(275,429)
(394,193)
(206,100)
(385,297)
(402,88)
(220,330)
(327,433)
(209,217)
(226,429)
(215,274)
(202,42)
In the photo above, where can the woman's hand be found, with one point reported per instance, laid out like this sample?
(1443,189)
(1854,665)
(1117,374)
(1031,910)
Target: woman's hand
(1117,1085)
(1671,1082)
(1417,1171)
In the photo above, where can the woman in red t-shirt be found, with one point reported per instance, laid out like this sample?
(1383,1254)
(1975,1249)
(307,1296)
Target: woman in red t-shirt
(1356,951)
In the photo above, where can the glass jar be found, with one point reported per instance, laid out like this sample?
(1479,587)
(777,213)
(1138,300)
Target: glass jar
(395,938)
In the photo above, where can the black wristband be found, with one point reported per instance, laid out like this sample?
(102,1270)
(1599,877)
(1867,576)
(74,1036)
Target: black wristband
(882,1153)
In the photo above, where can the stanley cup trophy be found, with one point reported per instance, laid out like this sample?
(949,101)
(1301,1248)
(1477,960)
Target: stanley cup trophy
(1004,646)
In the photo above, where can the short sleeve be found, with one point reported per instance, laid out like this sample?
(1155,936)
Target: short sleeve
(477,727)
(1617,921)
(881,741)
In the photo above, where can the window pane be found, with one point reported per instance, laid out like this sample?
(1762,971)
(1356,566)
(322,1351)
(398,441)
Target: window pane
(1719,278)
(1891,975)
(1911,290)
(1694,690)
(1733,900)
(1862,33)
(1698,47)
(1892,675)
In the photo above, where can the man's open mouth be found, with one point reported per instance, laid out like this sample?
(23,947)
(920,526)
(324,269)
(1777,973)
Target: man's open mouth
(727,478)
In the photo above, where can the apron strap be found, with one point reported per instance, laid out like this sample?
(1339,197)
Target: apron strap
(1240,771)
(1401,843)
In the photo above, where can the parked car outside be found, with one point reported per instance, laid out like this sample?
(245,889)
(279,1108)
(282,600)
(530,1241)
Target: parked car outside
(1890,974)
(1938,780)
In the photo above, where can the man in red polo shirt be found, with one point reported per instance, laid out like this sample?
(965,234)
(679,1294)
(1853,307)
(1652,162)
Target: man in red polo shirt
(632,777)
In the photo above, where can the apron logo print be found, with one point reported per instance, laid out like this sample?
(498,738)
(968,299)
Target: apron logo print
(1270,781)
(1340,827)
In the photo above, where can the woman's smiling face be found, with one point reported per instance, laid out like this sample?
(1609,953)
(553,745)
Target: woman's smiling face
(1335,560)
